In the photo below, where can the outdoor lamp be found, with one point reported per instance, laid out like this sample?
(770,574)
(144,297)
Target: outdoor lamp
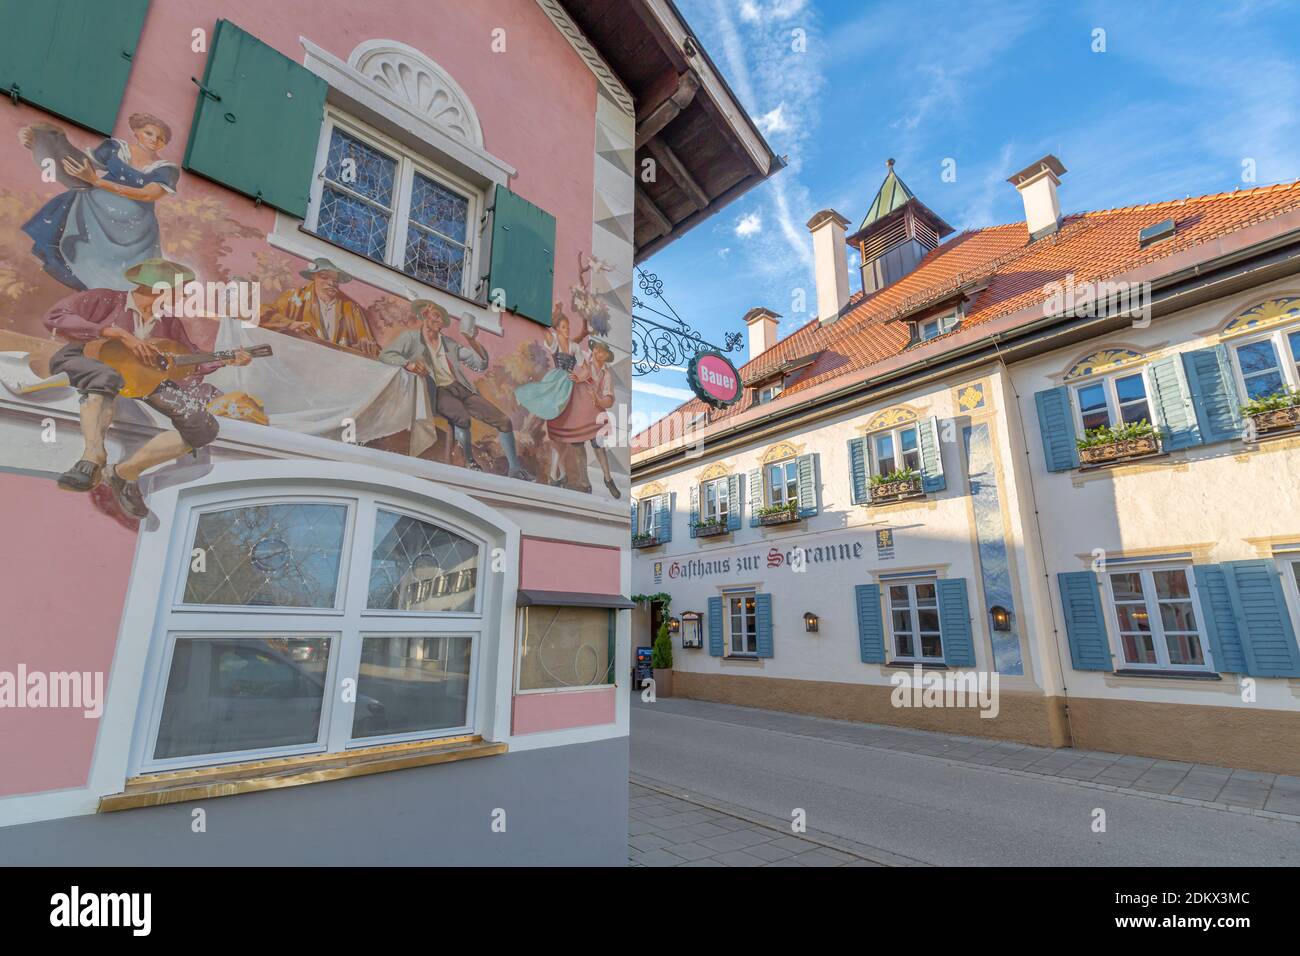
(674,624)
(1001,618)
(809,621)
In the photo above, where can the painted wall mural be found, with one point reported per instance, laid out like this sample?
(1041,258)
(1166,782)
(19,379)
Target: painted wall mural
(97,226)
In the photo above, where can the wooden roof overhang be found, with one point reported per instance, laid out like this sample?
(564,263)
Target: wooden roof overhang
(706,149)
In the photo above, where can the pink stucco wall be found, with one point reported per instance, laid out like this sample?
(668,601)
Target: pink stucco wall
(66,572)
(534,713)
(549,565)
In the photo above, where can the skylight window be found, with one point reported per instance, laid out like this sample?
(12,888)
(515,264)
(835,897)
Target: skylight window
(1156,233)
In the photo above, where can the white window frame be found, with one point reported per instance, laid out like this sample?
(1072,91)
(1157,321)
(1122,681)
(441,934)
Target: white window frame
(1152,601)
(408,164)
(914,611)
(896,436)
(769,490)
(1290,567)
(346,625)
(521,630)
(1107,383)
(769,392)
(1281,349)
(645,515)
(939,324)
(721,491)
(740,594)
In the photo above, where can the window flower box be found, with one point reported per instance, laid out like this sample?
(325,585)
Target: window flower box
(899,489)
(644,541)
(1273,420)
(770,516)
(707,529)
(1110,452)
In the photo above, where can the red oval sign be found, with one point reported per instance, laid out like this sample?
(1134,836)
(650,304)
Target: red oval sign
(715,379)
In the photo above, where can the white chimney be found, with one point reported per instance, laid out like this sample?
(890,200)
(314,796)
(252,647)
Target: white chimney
(830,263)
(762,330)
(1037,184)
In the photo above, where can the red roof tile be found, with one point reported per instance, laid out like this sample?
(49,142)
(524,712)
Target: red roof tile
(1093,246)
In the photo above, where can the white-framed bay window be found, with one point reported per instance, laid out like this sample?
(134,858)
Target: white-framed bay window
(311,623)
(379,199)
(1267,364)
(1156,618)
(1112,400)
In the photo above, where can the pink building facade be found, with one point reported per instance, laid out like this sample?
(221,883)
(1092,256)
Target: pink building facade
(375,524)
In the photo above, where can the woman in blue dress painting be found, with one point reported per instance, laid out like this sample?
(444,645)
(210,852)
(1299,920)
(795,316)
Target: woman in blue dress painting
(549,397)
(88,236)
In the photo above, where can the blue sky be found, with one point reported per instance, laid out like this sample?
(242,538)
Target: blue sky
(1184,95)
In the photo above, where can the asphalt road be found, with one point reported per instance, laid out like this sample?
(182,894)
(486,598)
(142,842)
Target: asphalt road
(932,810)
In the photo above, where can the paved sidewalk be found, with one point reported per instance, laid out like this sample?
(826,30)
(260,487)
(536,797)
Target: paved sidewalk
(669,827)
(1240,791)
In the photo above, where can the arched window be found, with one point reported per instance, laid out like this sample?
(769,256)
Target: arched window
(297,623)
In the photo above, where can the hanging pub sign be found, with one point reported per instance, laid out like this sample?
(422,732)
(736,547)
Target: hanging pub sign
(713,379)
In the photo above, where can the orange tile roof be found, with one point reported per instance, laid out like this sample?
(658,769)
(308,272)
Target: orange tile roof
(1093,246)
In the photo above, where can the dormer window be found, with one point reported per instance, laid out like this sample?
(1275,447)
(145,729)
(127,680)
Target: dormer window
(769,392)
(937,325)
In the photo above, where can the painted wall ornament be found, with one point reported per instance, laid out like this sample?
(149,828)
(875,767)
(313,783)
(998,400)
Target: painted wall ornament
(1270,312)
(1105,360)
(897,415)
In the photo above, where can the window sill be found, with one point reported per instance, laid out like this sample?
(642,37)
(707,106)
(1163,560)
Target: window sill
(1168,674)
(903,665)
(204,783)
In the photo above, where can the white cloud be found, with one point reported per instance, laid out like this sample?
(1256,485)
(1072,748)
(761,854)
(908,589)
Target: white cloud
(662,391)
(749,224)
(774,121)
(724,251)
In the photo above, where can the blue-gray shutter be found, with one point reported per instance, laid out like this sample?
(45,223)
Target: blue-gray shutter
(763,623)
(871,626)
(1085,627)
(858,470)
(1056,425)
(1219,619)
(634,517)
(522,268)
(756,502)
(1214,393)
(954,623)
(1172,404)
(733,502)
(1268,637)
(695,507)
(664,517)
(70,57)
(715,627)
(932,479)
(807,465)
(257,122)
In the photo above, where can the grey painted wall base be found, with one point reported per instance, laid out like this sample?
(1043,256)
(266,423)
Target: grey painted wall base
(564,806)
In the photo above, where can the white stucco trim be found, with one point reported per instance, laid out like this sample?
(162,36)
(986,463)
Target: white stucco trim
(595,62)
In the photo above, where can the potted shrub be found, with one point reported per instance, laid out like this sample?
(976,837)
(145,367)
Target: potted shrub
(708,527)
(661,660)
(1102,446)
(1273,413)
(644,540)
(896,486)
(778,514)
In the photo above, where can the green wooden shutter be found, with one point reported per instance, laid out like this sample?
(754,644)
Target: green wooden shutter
(1056,425)
(807,465)
(1172,404)
(1219,618)
(871,626)
(715,627)
(755,479)
(763,623)
(954,623)
(733,502)
(258,121)
(522,271)
(695,507)
(1269,640)
(932,479)
(858,470)
(70,57)
(1214,393)
(1085,627)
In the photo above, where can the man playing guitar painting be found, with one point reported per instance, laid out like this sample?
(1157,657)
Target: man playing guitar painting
(131,319)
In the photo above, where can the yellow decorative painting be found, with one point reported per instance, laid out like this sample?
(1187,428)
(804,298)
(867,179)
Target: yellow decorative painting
(890,417)
(719,469)
(650,490)
(1272,312)
(970,398)
(780,451)
(1107,360)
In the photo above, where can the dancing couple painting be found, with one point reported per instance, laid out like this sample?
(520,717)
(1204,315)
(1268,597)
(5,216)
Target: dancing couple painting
(571,399)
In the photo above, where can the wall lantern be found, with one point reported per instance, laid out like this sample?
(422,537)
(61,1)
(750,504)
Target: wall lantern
(674,624)
(1001,618)
(810,622)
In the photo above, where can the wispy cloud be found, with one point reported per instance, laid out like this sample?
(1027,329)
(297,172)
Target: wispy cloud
(641,387)
(750,224)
